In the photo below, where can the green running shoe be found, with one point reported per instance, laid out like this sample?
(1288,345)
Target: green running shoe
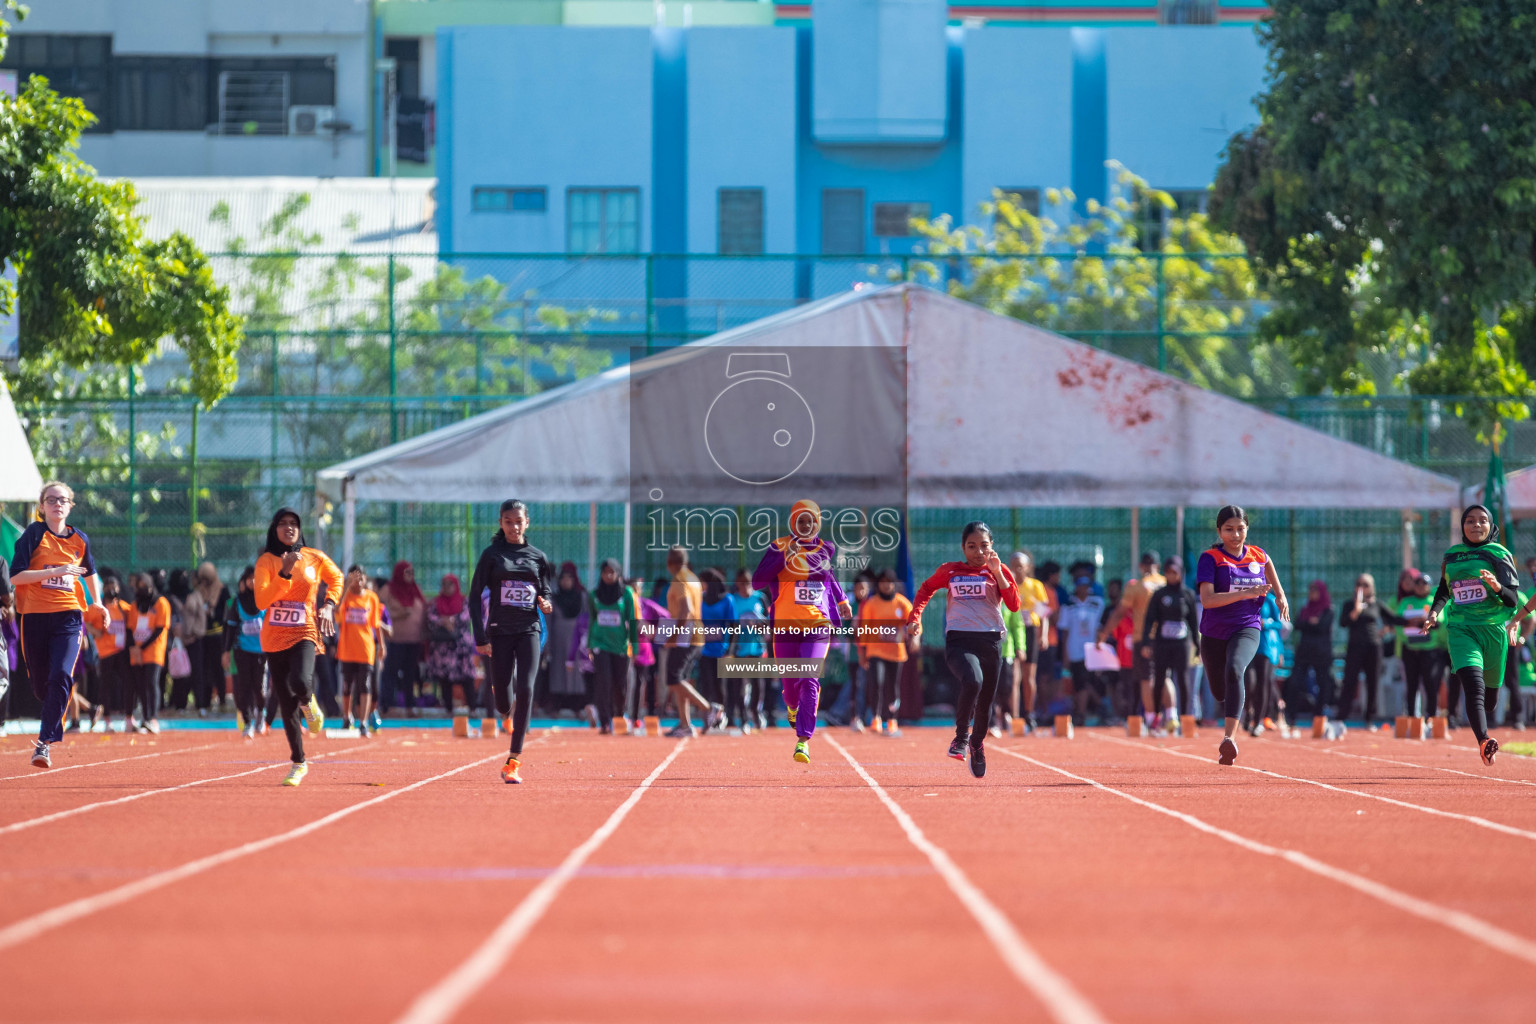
(803,751)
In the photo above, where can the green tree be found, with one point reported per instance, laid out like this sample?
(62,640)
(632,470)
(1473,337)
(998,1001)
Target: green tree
(92,288)
(1388,195)
(1091,279)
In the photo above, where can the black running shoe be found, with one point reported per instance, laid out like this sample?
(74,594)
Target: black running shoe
(978,761)
(957,750)
(1490,748)
(1227,752)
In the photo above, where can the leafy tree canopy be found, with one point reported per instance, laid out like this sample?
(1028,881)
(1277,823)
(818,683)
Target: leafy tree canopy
(1388,195)
(92,288)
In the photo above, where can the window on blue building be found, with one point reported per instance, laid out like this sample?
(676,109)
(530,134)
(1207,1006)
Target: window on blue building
(894,220)
(602,220)
(1026,199)
(509,199)
(75,65)
(842,221)
(741,221)
(1152,218)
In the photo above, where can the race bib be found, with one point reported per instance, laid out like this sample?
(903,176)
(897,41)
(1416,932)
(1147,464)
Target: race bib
(1468,591)
(251,627)
(1177,630)
(141,631)
(809,592)
(968,588)
(59,582)
(286,613)
(1245,582)
(357,616)
(517,593)
(116,629)
(608,617)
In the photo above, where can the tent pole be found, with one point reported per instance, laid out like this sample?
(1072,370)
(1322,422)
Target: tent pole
(1178,531)
(1407,538)
(348,523)
(592,543)
(1135,541)
(629,511)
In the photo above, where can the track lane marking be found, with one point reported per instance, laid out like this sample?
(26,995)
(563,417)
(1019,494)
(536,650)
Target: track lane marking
(1433,768)
(43,773)
(1471,819)
(447,997)
(1061,1000)
(21,826)
(29,928)
(1475,928)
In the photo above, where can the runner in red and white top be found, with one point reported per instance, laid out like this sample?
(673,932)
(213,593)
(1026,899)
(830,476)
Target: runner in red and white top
(973,634)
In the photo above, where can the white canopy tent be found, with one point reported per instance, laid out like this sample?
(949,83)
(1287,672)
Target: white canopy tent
(19,478)
(999,414)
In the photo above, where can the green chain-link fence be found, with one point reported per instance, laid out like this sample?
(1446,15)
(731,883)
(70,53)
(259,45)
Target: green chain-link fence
(345,354)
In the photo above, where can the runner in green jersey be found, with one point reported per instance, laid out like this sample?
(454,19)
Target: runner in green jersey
(1477,591)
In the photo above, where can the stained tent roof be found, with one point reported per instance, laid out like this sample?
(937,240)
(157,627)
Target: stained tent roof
(19,478)
(999,414)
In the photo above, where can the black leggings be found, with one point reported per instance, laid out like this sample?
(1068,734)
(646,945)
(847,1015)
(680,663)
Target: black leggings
(1320,662)
(1361,659)
(1260,679)
(146,690)
(293,673)
(1171,657)
(356,681)
(116,682)
(1226,665)
(645,691)
(514,660)
(249,666)
(976,659)
(1480,699)
(610,679)
(1423,669)
(884,687)
(709,679)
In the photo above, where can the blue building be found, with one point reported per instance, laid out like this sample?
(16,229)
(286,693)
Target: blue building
(820,138)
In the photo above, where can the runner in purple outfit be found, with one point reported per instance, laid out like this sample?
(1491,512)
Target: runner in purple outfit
(805,602)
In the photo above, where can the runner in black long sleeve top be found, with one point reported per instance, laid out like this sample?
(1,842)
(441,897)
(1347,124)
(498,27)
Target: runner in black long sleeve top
(512,583)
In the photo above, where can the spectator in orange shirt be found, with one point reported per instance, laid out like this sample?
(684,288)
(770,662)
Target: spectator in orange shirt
(149,626)
(359,635)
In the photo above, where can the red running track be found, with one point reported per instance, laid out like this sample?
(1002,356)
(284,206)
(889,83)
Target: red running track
(1085,880)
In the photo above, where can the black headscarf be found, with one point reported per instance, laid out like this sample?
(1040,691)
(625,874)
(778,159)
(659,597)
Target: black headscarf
(277,547)
(145,599)
(570,602)
(609,593)
(1493,527)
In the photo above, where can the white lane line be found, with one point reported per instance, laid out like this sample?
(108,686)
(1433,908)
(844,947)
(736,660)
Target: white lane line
(1064,1003)
(40,773)
(447,997)
(83,808)
(1470,819)
(29,928)
(1474,928)
(1433,768)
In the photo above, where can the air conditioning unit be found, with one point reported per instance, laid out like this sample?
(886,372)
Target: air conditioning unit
(310,120)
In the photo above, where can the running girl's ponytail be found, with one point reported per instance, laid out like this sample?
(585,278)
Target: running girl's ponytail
(513,505)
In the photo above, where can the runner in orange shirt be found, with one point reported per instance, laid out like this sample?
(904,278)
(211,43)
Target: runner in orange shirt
(357,644)
(288,578)
(881,634)
(50,555)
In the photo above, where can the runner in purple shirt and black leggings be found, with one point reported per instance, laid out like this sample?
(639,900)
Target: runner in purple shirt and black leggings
(1233,578)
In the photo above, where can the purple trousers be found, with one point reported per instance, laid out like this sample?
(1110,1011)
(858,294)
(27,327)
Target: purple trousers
(803,693)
